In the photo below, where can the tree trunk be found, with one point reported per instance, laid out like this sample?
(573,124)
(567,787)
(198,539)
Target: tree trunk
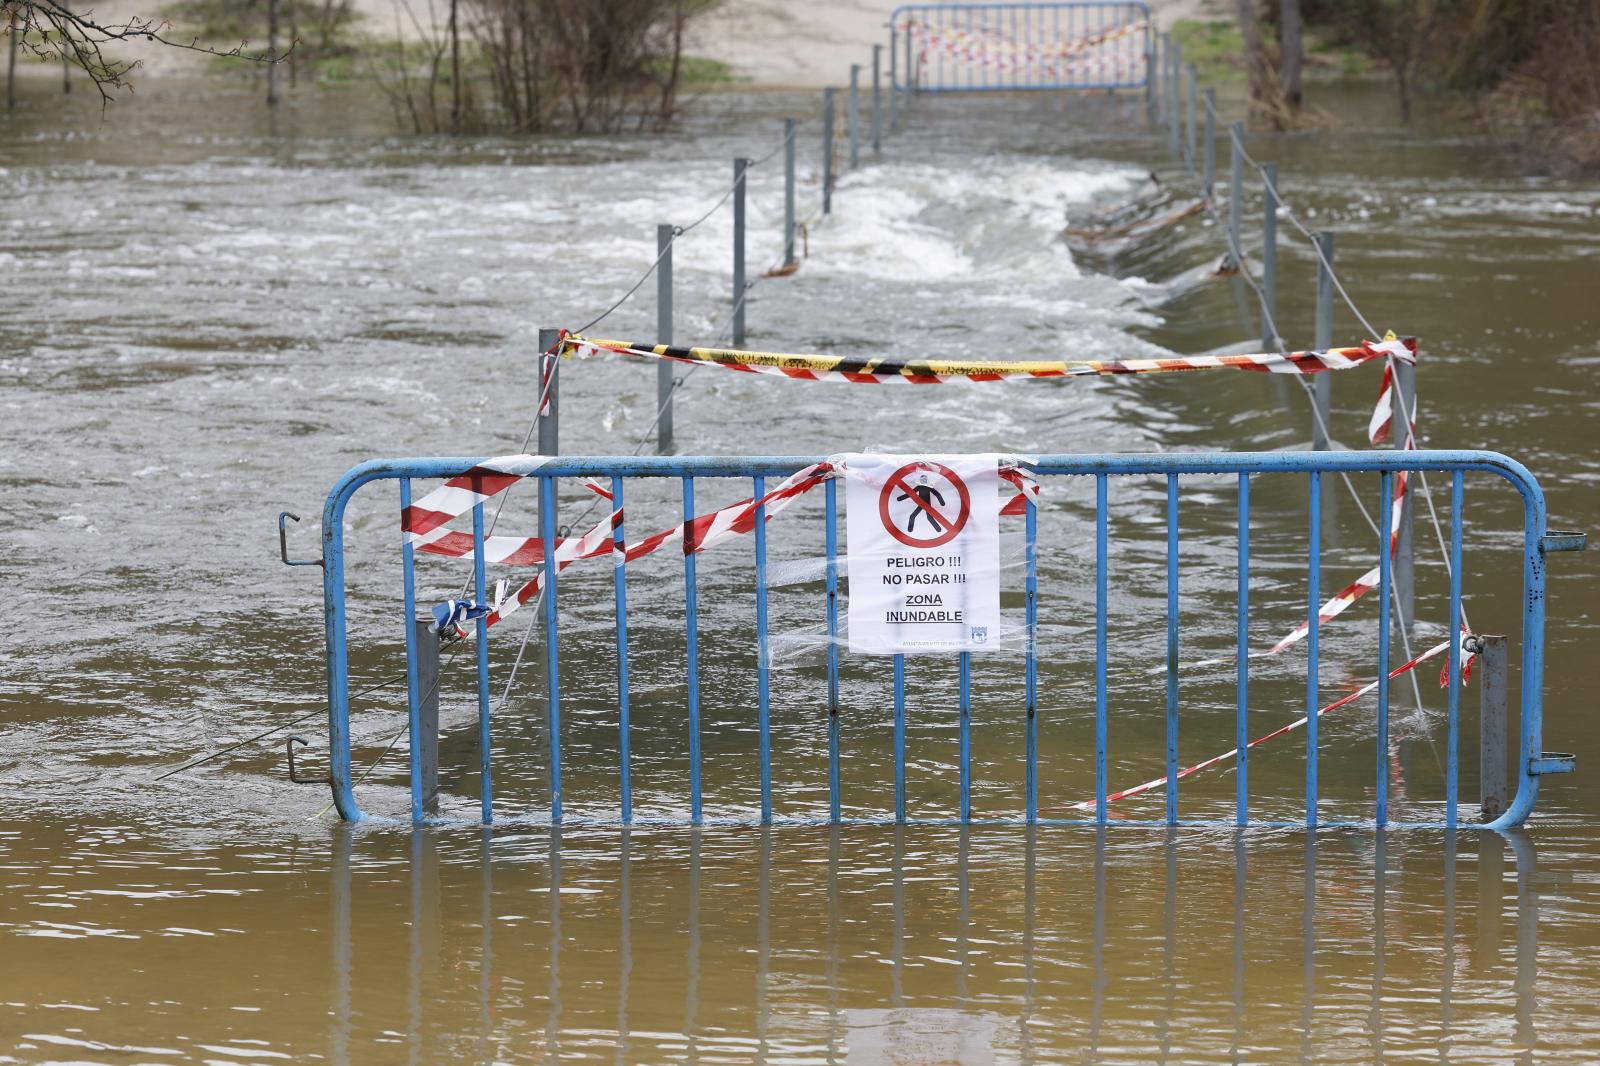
(1289,23)
(455,70)
(1265,100)
(272,51)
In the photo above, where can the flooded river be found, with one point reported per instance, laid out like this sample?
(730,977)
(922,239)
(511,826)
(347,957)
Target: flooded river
(212,314)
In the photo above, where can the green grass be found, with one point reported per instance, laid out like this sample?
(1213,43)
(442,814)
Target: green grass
(696,70)
(1214,46)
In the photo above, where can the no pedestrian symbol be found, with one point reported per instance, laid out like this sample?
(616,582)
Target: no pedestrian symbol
(924,505)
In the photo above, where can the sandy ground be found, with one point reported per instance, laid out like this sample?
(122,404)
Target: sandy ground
(771,43)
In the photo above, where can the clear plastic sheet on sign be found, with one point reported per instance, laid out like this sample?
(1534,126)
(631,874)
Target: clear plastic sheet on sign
(807,646)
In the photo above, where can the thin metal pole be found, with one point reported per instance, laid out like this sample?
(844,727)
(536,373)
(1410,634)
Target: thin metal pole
(853,118)
(1269,257)
(550,423)
(740,166)
(1404,392)
(1235,192)
(828,96)
(877,102)
(894,77)
(789,126)
(1211,142)
(1192,156)
(66,68)
(1492,726)
(1321,384)
(1174,90)
(1150,76)
(666,377)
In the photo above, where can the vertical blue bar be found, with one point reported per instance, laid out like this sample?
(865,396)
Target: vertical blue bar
(691,621)
(1030,660)
(413,696)
(1100,648)
(900,739)
(485,751)
(965,666)
(1241,795)
(831,537)
(624,728)
(1452,783)
(547,531)
(1314,597)
(763,655)
(1172,649)
(1385,566)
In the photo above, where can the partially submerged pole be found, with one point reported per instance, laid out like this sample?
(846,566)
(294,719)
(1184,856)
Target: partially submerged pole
(1211,143)
(877,102)
(1404,393)
(1174,90)
(894,78)
(1192,156)
(1322,384)
(272,51)
(740,166)
(665,371)
(828,96)
(550,421)
(789,125)
(1269,257)
(853,118)
(1235,192)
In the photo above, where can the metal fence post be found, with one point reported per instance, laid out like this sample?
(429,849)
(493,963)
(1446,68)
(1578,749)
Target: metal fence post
(1193,155)
(789,133)
(1211,142)
(740,167)
(550,422)
(666,379)
(827,149)
(877,103)
(1150,75)
(1322,384)
(1174,92)
(1269,257)
(894,79)
(1235,191)
(427,738)
(911,71)
(1492,726)
(1404,392)
(853,118)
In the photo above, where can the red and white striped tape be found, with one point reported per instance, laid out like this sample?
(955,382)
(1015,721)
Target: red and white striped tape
(1343,701)
(696,535)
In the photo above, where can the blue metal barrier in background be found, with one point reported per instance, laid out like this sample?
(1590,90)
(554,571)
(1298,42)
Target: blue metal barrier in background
(1090,44)
(1532,763)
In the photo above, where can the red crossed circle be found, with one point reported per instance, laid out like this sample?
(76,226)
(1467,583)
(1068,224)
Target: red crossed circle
(953,526)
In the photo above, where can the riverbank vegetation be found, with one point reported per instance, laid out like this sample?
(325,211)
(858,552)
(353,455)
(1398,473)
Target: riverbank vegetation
(1527,70)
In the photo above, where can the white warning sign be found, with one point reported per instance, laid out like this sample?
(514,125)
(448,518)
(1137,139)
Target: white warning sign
(924,550)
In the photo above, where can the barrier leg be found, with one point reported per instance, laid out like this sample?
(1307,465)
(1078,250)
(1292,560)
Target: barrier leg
(427,738)
(1492,726)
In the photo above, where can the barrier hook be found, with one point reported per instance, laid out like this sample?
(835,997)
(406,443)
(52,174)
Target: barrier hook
(288,748)
(283,542)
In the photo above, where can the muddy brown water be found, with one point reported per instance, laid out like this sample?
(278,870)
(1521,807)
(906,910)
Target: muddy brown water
(211,314)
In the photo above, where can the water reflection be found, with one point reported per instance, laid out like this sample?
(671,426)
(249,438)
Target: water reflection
(964,1022)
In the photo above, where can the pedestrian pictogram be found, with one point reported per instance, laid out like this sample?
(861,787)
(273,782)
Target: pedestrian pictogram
(925,495)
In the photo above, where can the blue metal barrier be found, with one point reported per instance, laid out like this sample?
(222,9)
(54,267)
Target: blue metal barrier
(1532,763)
(1089,44)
